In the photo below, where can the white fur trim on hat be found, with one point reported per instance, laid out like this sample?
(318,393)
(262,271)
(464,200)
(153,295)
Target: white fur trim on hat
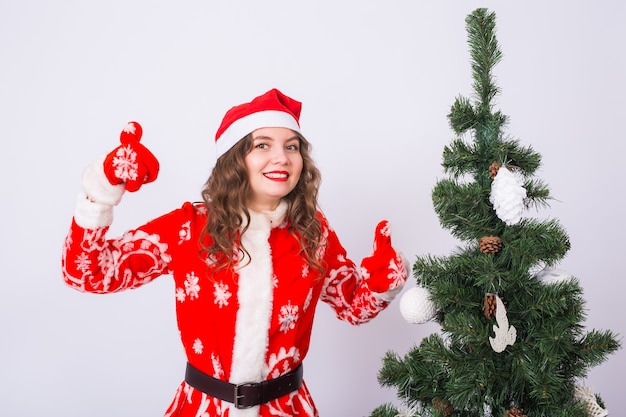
(248,124)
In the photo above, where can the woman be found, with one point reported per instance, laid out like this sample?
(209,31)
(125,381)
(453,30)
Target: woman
(249,263)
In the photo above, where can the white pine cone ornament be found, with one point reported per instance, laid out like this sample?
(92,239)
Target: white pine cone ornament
(416,306)
(508,195)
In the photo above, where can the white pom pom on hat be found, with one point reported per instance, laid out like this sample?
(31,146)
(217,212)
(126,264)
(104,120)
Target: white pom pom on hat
(271,109)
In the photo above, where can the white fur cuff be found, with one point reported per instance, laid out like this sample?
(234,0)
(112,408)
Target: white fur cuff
(96,185)
(92,215)
(389,295)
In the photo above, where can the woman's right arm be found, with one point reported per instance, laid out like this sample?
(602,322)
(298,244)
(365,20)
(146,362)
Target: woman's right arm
(90,261)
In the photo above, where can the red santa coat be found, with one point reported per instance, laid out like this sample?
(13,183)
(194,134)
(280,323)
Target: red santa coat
(246,324)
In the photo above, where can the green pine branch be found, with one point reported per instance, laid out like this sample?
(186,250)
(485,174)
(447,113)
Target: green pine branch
(485,55)
(595,347)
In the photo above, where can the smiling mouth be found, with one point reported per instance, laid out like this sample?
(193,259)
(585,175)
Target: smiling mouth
(277,176)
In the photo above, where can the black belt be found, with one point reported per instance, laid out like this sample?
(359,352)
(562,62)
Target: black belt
(244,395)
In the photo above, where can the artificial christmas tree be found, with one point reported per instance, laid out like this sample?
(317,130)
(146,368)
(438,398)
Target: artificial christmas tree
(512,341)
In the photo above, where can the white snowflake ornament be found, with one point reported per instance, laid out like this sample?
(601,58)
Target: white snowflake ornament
(416,306)
(508,195)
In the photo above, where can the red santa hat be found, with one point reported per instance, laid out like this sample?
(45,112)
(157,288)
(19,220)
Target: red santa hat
(272,109)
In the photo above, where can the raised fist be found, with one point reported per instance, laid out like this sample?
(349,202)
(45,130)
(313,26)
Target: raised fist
(131,163)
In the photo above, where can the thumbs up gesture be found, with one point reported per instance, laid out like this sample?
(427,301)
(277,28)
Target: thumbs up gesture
(385,268)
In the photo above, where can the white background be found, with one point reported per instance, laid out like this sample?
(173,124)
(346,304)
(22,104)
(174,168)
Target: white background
(377,79)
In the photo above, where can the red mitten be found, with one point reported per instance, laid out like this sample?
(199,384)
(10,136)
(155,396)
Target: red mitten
(131,163)
(384,269)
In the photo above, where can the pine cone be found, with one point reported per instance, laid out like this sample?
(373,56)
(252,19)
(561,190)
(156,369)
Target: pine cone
(444,406)
(493,169)
(490,244)
(515,412)
(508,195)
(489,306)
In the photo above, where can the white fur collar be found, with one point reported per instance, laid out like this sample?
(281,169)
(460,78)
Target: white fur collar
(255,296)
(262,220)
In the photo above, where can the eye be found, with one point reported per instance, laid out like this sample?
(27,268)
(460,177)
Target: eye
(293,145)
(261,145)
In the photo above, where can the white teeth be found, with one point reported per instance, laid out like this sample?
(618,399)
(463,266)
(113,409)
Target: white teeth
(275,175)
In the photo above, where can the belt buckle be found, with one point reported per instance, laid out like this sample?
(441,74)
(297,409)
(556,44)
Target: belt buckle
(239,396)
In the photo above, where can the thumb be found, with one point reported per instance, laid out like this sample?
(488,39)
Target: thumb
(382,236)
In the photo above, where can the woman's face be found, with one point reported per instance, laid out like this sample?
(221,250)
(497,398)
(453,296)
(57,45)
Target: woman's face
(274,165)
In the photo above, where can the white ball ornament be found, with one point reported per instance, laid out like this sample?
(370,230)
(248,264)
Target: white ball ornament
(416,306)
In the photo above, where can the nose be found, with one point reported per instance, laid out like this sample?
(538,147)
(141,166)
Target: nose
(279,155)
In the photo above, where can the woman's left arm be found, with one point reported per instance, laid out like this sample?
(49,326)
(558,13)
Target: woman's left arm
(358,295)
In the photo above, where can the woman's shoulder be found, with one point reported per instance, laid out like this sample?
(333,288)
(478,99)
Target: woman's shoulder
(194,211)
(191,212)
(196,207)
(322,218)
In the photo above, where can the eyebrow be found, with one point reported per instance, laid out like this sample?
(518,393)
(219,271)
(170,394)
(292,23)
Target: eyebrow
(271,138)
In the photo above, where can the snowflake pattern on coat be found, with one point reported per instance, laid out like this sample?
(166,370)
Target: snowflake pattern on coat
(221,294)
(288,317)
(198,347)
(185,232)
(209,304)
(192,286)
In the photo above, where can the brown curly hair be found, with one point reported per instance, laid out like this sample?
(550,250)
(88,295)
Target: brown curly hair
(225,197)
